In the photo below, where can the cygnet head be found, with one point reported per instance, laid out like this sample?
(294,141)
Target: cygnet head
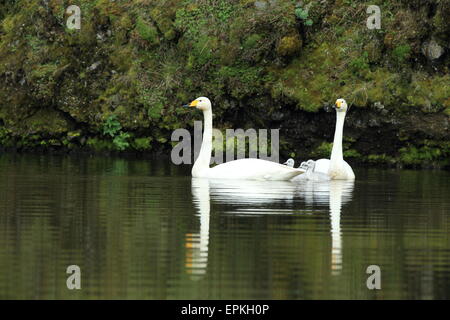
(201,103)
(311,163)
(341,105)
(290,162)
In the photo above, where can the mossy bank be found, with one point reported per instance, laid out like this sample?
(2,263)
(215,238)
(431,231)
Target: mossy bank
(117,84)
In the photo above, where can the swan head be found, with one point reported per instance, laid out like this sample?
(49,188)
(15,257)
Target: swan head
(290,162)
(311,163)
(341,105)
(201,103)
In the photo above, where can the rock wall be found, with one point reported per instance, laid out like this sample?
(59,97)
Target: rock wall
(117,84)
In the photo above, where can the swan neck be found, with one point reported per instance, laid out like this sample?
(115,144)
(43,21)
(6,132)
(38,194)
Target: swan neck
(336,152)
(204,156)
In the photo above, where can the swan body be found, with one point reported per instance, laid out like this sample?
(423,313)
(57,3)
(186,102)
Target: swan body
(249,169)
(335,168)
(242,169)
(341,171)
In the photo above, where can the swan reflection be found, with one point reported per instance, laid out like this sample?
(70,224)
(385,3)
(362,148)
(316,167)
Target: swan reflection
(197,243)
(333,193)
(243,198)
(263,197)
(253,197)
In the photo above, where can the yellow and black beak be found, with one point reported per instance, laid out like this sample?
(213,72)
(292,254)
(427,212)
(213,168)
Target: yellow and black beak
(338,104)
(193,104)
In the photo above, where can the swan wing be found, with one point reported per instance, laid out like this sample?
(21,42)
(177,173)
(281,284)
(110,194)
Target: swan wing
(253,169)
(350,175)
(322,166)
(342,172)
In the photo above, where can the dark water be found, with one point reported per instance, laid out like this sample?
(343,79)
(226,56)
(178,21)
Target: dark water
(145,230)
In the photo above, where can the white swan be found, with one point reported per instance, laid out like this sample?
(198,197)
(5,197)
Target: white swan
(334,168)
(242,169)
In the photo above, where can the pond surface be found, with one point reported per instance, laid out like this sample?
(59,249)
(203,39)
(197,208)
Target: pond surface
(142,229)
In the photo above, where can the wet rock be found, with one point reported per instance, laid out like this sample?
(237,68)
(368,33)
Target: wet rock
(94,66)
(261,5)
(100,37)
(432,50)
(374,123)
(277,116)
(378,105)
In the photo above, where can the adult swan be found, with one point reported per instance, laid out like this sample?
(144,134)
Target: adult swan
(242,169)
(334,168)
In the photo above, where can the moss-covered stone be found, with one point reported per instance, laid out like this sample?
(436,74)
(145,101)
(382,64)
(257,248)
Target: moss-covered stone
(289,45)
(262,65)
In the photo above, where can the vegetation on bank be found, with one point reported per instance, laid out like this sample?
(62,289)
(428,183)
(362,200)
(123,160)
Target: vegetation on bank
(117,84)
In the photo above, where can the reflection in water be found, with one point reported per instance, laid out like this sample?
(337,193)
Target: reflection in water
(197,243)
(335,193)
(124,222)
(246,197)
(340,192)
(249,197)
(252,191)
(253,197)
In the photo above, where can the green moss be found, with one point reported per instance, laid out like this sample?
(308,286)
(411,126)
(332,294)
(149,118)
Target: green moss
(44,71)
(440,21)
(401,53)
(300,83)
(5,137)
(241,80)
(352,153)
(380,159)
(361,64)
(163,22)
(373,50)
(122,58)
(429,94)
(99,145)
(289,45)
(251,61)
(147,31)
(46,121)
(252,41)
(8,24)
(428,153)
(413,155)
